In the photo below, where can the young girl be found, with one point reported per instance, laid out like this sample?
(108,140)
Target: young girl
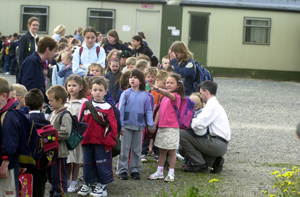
(66,59)
(95,70)
(183,63)
(98,142)
(132,110)
(167,136)
(89,53)
(139,48)
(112,54)
(77,92)
(113,42)
(113,75)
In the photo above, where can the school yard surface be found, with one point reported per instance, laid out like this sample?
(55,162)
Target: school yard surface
(263,116)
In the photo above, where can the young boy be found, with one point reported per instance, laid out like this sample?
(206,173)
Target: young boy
(123,58)
(9,138)
(20,92)
(165,62)
(57,96)
(34,100)
(150,76)
(142,65)
(130,64)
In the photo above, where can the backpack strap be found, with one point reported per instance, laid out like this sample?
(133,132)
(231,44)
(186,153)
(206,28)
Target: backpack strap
(2,118)
(62,115)
(98,51)
(177,112)
(94,113)
(80,52)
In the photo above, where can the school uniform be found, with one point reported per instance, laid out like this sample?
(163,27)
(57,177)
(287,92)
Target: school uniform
(113,88)
(65,73)
(56,79)
(58,171)
(108,47)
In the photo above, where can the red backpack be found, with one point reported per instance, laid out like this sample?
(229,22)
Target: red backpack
(25,185)
(50,140)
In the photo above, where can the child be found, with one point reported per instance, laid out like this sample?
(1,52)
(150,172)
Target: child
(95,69)
(112,54)
(142,65)
(66,59)
(113,75)
(20,91)
(34,100)
(90,53)
(150,76)
(165,62)
(183,64)
(56,67)
(57,96)
(167,136)
(77,92)
(196,97)
(9,138)
(132,119)
(12,92)
(114,42)
(130,64)
(98,142)
(123,58)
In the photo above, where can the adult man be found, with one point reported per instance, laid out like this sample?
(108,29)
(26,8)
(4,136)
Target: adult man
(32,70)
(207,151)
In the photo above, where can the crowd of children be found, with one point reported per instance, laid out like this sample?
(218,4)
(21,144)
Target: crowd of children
(92,83)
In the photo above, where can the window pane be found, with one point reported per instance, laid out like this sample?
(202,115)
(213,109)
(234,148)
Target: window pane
(198,32)
(35,10)
(257,23)
(43,22)
(102,25)
(101,13)
(256,35)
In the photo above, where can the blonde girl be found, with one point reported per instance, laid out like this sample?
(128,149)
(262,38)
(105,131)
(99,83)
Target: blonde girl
(65,58)
(167,136)
(113,75)
(59,32)
(77,93)
(95,69)
(183,63)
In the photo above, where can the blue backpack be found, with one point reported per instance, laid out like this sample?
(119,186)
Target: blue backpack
(31,144)
(201,75)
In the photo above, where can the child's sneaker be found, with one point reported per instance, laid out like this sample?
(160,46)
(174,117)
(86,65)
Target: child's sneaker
(84,190)
(72,188)
(104,191)
(156,175)
(98,191)
(144,158)
(169,178)
(156,158)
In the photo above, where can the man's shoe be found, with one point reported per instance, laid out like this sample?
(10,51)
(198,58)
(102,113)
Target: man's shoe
(196,168)
(218,165)
(135,175)
(143,158)
(123,176)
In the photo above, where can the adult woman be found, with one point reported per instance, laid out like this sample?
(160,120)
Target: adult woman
(59,32)
(28,42)
(113,42)
(89,53)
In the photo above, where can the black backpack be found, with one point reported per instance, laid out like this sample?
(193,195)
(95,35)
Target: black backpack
(201,75)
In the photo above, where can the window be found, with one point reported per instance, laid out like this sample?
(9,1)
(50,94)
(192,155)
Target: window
(257,31)
(101,20)
(41,12)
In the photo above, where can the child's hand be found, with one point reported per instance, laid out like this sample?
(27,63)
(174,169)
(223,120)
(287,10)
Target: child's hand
(154,87)
(22,170)
(172,55)
(4,169)
(106,151)
(122,133)
(81,66)
(151,131)
(68,66)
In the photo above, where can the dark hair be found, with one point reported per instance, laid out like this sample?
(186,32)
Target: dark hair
(65,40)
(81,82)
(90,29)
(62,46)
(34,99)
(113,33)
(124,80)
(138,39)
(4,88)
(46,42)
(140,75)
(140,33)
(180,89)
(210,86)
(100,81)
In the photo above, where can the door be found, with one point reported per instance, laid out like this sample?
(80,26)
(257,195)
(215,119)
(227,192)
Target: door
(147,22)
(198,36)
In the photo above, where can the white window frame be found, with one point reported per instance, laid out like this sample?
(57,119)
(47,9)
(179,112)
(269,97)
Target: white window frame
(113,17)
(36,15)
(268,27)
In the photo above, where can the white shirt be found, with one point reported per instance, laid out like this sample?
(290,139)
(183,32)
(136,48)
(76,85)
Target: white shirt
(214,117)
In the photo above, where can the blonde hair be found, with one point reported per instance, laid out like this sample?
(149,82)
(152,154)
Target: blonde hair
(141,64)
(20,89)
(59,29)
(62,54)
(143,57)
(151,71)
(4,87)
(196,97)
(58,92)
(180,47)
(131,60)
(162,75)
(109,55)
(95,65)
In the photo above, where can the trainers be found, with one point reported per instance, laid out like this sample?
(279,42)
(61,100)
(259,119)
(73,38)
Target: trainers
(98,191)
(6,73)
(169,178)
(135,176)
(179,156)
(143,158)
(156,158)
(156,176)
(84,190)
(104,191)
(72,188)
(123,176)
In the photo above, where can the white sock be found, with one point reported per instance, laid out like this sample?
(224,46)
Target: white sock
(160,169)
(171,172)
(74,183)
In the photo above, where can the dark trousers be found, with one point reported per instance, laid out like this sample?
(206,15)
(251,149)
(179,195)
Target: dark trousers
(39,181)
(57,176)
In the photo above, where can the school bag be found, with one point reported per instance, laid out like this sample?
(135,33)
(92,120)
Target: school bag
(25,185)
(201,75)
(185,113)
(78,129)
(50,141)
(117,147)
(30,146)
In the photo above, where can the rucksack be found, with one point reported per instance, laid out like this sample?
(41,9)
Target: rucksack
(81,50)
(50,141)
(30,143)
(78,129)
(149,100)
(201,74)
(185,113)
(25,185)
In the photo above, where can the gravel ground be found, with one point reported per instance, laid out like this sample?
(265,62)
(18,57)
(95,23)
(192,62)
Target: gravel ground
(263,117)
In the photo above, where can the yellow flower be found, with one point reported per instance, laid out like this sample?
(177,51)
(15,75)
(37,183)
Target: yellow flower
(271,195)
(294,168)
(283,169)
(274,186)
(213,180)
(264,192)
(276,172)
(286,189)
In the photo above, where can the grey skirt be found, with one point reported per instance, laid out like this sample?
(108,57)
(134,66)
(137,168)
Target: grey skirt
(167,138)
